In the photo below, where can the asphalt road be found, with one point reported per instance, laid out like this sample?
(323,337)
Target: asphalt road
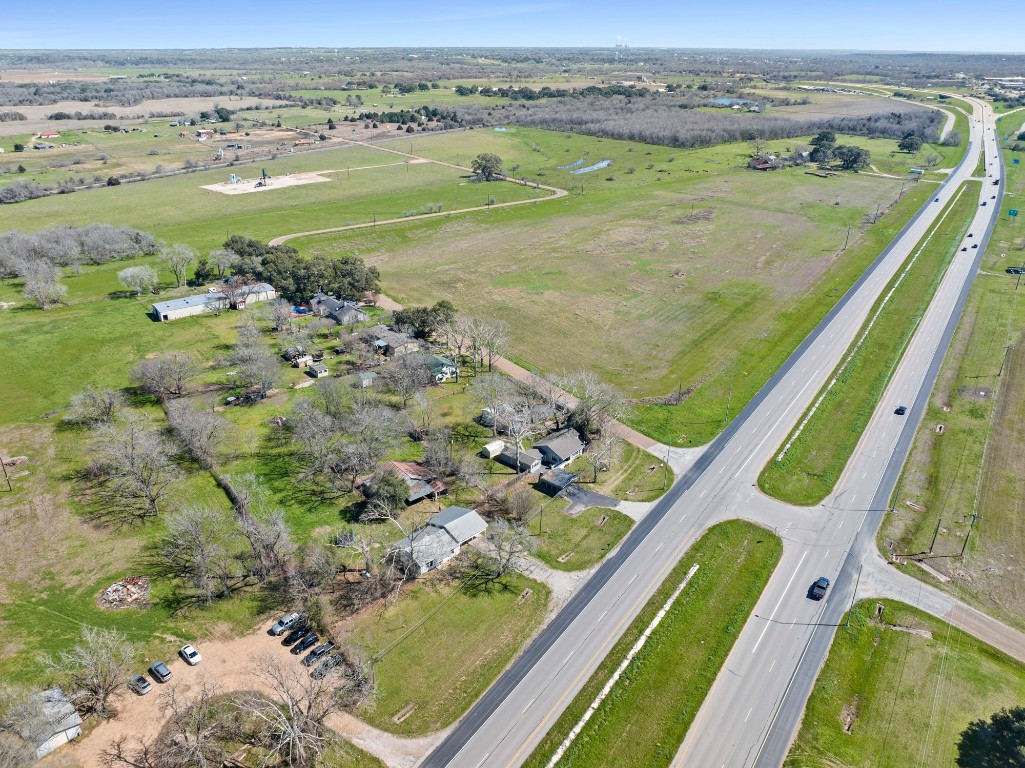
(787,639)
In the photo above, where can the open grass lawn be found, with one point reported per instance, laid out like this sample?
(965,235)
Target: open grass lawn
(342,754)
(176,209)
(645,717)
(815,460)
(573,543)
(441,646)
(636,476)
(660,285)
(907,686)
(975,466)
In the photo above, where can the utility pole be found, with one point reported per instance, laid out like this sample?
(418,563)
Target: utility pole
(935,534)
(847,239)
(541,520)
(856,583)
(7,478)
(967,536)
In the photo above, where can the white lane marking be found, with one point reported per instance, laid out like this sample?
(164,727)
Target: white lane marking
(786,589)
(659,546)
(749,714)
(826,555)
(772,665)
(529,705)
(633,579)
(768,434)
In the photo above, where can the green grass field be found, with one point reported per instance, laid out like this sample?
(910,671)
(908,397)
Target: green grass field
(636,476)
(975,465)
(573,543)
(906,687)
(441,679)
(645,717)
(816,458)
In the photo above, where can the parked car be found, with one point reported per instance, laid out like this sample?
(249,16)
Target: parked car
(140,685)
(285,623)
(1015,270)
(160,672)
(818,589)
(296,635)
(307,642)
(324,669)
(190,655)
(900,410)
(318,653)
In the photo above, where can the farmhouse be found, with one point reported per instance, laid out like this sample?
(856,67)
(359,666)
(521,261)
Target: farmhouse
(54,722)
(388,342)
(364,380)
(342,312)
(49,135)
(441,368)
(530,460)
(422,482)
(175,309)
(440,540)
(765,163)
(560,448)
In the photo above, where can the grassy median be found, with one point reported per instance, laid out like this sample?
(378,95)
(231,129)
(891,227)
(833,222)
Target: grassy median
(660,692)
(816,458)
(899,690)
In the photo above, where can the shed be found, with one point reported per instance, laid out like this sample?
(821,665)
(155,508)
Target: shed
(530,460)
(318,370)
(492,449)
(302,361)
(215,301)
(555,481)
(364,379)
(560,448)
(56,722)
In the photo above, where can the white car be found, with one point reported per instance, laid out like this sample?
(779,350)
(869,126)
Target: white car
(190,655)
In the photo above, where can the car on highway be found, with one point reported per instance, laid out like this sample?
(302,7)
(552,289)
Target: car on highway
(965,248)
(317,654)
(983,203)
(900,410)
(285,623)
(975,245)
(160,672)
(190,655)
(307,642)
(296,635)
(993,197)
(332,662)
(818,589)
(140,685)
(971,235)
(1015,270)
(936,200)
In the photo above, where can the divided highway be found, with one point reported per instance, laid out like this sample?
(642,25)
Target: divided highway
(752,712)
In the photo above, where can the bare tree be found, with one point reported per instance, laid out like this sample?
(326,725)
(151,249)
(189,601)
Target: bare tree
(257,365)
(138,279)
(94,406)
(201,432)
(494,392)
(292,716)
(422,414)
(42,284)
(552,395)
(22,725)
(521,423)
(518,503)
(372,431)
(334,398)
(177,258)
(494,337)
(95,668)
(471,473)
(474,332)
(165,376)
(201,549)
(281,314)
(222,260)
(602,453)
(598,403)
(133,462)
(407,376)
(438,450)
(506,543)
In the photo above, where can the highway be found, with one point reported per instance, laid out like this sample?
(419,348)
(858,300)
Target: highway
(753,709)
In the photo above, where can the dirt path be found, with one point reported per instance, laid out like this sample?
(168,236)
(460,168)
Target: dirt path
(228,664)
(556,193)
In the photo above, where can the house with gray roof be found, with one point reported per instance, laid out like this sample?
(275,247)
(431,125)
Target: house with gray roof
(387,342)
(440,540)
(560,448)
(54,722)
(529,459)
(341,311)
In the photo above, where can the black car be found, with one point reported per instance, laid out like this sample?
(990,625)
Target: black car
(307,642)
(900,410)
(1015,270)
(318,653)
(965,248)
(331,662)
(975,245)
(160,672)
(818,589)
(296,635)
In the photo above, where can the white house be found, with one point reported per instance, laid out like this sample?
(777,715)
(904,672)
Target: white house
(215,301)
(440,540)
(559,448)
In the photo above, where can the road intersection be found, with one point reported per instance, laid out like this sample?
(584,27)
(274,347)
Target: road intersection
(752,712)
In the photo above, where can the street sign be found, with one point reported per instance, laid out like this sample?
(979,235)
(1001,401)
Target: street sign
(1013,212)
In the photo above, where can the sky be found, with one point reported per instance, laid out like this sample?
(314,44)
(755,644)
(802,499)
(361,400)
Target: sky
(939,25)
